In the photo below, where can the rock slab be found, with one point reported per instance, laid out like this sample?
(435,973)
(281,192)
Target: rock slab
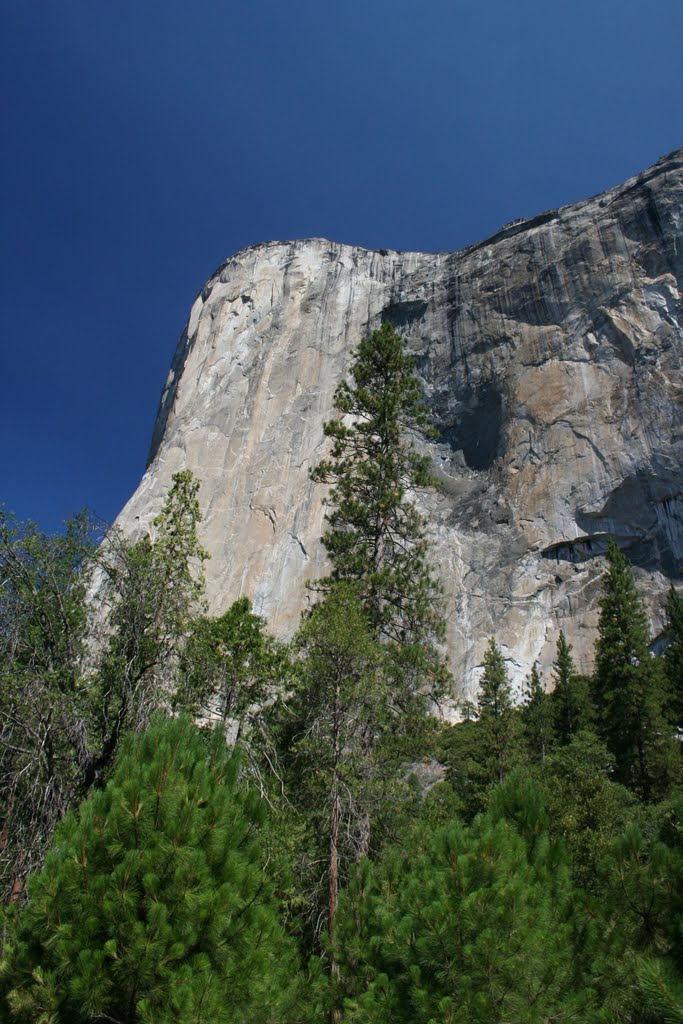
(551,359)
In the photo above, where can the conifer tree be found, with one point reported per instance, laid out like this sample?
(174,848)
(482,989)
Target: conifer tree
(537,717)
(340,709)
(586,807)
(376,536)
(468,925)
(628,686)
(460,750)
(378,546)
(661,985)
(673,657)
(152,905)
(497,726)
(570,697)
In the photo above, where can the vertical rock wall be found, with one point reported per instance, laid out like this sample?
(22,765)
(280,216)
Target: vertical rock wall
(551,358)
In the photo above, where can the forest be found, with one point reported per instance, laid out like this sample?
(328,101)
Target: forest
(200,822)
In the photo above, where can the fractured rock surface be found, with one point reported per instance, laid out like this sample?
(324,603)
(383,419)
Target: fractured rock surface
(551,358)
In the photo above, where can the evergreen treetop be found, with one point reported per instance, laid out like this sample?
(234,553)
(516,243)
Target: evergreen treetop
(376,536)
(152,905)
(497,725)
(537,716)
(570,697)
(673,657)
(629,695)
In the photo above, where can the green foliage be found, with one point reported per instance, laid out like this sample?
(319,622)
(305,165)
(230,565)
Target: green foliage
(537,717)
(645,873)
(228,663)
(77,674)
(629,689)
(498,732)
(43,613)
(232,670)
(472,926)
(458,750)
(643,894)
(44,703)
(155,591)
(376,537)
(662,989)
(339,710)
(641,872)
(370,661)
(673,657)
(152,905)
(571,695)
(586,809)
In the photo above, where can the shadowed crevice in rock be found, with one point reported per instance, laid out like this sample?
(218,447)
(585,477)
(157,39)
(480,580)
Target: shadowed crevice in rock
(402,314)
(582,549)
(644,514)
(478,430)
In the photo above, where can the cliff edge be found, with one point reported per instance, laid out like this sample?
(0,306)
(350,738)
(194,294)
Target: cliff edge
(551,358)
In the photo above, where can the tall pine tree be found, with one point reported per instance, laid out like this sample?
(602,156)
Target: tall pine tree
(628,686)
(370,653)
(498,725)
(537,717)
(376,538)
(571,695)
(673,657)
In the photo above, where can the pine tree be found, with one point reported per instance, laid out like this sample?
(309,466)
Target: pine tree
(628,686)
(586,808)
(459,750)
(467,925)
(570,697)
(661,985)
(340,709)
(659,903)
(497,726)
(378,547)
(376,536)
(537,717)
(152,905)
(673,658)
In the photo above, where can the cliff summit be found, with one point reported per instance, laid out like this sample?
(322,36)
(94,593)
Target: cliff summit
(551,360)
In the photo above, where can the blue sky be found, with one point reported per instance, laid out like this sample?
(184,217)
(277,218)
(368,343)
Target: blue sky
(143,142)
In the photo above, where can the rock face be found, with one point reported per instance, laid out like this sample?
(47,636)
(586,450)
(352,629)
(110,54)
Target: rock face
(551,358)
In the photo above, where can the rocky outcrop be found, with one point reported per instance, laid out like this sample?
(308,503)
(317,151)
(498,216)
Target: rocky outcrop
(551,359)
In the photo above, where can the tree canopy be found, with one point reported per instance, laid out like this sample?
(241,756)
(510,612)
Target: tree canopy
(152,904)
(376,536)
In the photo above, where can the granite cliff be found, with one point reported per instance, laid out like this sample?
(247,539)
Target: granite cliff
(551,358)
